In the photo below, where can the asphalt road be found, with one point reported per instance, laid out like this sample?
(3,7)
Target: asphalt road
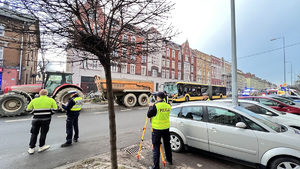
(94,140)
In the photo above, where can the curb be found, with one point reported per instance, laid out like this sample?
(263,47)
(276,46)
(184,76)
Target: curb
(102,106)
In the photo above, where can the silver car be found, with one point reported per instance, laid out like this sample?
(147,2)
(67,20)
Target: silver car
(232,131)
(269,113)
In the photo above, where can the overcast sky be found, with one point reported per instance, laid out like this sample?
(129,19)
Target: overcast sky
(206,24)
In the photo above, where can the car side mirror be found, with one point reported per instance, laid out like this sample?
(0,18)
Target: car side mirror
(240,125)
(281,105)
(269,113)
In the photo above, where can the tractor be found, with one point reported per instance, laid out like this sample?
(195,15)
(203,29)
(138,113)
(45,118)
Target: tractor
(16,98)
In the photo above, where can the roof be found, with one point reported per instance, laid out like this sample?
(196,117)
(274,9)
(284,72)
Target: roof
(4,11)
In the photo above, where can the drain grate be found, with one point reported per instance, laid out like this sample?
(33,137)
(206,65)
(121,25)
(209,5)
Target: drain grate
(132,149)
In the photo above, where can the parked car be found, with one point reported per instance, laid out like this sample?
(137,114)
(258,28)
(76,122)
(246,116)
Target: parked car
(232,131)
(275,104)
(284,99)
(268,112)
(295,99)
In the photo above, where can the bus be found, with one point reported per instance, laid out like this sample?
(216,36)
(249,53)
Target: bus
(185,91)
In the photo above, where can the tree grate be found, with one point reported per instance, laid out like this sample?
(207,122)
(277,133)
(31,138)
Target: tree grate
(132,149)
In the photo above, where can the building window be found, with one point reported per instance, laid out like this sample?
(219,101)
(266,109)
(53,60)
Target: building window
(179,55)
(1,55)
(132,57)
(192,78)
(163,62)
(1,30)
(143,70)
(173,75)
(173,54)
(179,75)
(173,64)
(143,59)
(124,68)
(115,53)
(179,66)
(95,63)
(163,73)
(168,64)
(114,67)
(167,74)
(168,52)
(192,60)
(125,38)
(186,58)
(133,40)
(124,52)
(192,68)
(84,64)
(132,69)
(144,47)
(154,73)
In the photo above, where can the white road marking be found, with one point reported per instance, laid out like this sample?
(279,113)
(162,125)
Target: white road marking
(126,109)
(9,121)
(62,116)
(103,112)
(143,108)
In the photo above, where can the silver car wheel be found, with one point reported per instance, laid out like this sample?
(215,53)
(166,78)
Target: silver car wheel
(285,163)
(176,142)
(288,165)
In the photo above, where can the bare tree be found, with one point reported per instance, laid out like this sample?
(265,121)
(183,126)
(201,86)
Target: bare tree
(103,28)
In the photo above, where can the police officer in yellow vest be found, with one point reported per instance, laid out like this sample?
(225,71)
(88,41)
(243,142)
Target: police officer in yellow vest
(73,108)
(159,114)
(41,109)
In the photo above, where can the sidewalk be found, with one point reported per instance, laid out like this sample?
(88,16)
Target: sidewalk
(126,160)
(126,156)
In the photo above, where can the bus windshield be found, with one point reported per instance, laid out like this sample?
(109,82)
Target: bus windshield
(171,87)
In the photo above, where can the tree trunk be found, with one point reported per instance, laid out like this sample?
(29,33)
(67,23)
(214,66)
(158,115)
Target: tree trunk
(112,119)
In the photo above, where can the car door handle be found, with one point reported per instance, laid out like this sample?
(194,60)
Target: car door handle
(213,129)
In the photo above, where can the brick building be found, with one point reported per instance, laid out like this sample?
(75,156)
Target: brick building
(19,44)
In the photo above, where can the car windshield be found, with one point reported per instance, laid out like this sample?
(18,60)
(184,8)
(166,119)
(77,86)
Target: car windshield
(170,88)
(261,119)
(283,100)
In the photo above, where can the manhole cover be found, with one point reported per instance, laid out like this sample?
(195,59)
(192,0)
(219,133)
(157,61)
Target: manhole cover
(132,149)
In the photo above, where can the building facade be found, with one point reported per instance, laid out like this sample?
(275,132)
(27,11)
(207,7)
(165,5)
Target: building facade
(19,44)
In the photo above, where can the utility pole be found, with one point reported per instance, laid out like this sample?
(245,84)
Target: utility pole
(233,51)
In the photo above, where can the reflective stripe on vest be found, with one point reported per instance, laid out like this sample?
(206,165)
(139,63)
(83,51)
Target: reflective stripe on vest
(78,104)
(166,99)
(161,120)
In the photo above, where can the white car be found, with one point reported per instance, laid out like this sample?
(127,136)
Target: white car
(269,113)
(232,131)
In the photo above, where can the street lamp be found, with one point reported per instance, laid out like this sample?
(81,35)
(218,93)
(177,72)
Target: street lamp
(283,56)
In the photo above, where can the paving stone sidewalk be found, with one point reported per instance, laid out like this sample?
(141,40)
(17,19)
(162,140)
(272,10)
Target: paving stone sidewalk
(126,160)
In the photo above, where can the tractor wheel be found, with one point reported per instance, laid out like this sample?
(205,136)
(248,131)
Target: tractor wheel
(130,100)
(143,99)
(12,104)
(63,96)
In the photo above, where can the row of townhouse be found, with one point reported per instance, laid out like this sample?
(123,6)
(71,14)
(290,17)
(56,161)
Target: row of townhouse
(19,51)
(173,63)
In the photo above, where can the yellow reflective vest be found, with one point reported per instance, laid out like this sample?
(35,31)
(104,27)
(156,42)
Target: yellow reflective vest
(78,104)
(161,120)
